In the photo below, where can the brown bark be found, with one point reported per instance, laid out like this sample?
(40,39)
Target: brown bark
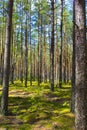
(30,54)
(4,100)
(39,23)
(52,49)
(72,109)
(61,46)
(26,54)
(81,66)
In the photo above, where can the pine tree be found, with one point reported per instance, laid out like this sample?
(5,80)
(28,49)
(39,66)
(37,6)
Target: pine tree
(4,100)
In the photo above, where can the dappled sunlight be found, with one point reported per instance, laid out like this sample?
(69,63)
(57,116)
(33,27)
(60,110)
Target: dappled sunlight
(44,110)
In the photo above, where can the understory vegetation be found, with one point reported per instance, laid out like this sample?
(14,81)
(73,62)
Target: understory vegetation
(37,108)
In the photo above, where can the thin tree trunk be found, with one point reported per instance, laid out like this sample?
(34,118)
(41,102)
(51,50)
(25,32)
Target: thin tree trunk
(21,51)
(39,23)
(34,55)
(61,46)
(73,66)
(41,51)
(52,49)
(12,59)
(44,58)
(31,76)
(26,54)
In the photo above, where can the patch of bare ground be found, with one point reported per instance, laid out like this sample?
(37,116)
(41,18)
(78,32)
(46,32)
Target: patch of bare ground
(0,89)
(19,93)
(8,120)
(54,98)
(39,127)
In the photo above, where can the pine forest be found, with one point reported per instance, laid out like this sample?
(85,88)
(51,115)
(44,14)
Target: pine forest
(43,65)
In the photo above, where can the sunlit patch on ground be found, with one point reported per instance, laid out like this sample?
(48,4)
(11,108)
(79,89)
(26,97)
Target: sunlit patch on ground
(37,108)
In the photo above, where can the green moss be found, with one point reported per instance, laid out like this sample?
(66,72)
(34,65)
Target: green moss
(38,107)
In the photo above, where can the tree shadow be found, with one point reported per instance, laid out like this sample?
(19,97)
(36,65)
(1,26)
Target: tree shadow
(27,111)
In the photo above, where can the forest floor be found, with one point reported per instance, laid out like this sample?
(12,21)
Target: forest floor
(37,108)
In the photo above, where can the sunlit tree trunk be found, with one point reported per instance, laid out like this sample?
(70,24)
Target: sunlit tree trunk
(44,57)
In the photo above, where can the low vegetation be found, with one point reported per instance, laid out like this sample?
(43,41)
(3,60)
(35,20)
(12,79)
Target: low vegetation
(37,108)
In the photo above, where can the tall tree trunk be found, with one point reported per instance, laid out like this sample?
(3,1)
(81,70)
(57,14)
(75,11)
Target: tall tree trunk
(81,66)
(73,66)
(39,23)
(21,51)
(41,51)
(44,58)
(26,53)
(2,45)
(30,50)
(61,46)
(4,100)
(67,65)
(52,48)
(12,59)
(34,69)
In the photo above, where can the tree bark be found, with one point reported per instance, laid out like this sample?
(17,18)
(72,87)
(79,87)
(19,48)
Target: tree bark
(52,49)
(72,109)
(30,51)
(39,24)
(4,100)
(21,51)
(61,46)
(26,53)
(81,66)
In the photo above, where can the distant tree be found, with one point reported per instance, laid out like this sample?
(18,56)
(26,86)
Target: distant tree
(39,41)
(61,45)
(21,44)
(4,100)
(26,51)
(30,49)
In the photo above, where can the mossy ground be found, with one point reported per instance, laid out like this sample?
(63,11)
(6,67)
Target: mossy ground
(37,108)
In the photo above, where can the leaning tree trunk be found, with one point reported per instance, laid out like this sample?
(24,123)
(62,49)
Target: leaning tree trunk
(81,66)
(4,100)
